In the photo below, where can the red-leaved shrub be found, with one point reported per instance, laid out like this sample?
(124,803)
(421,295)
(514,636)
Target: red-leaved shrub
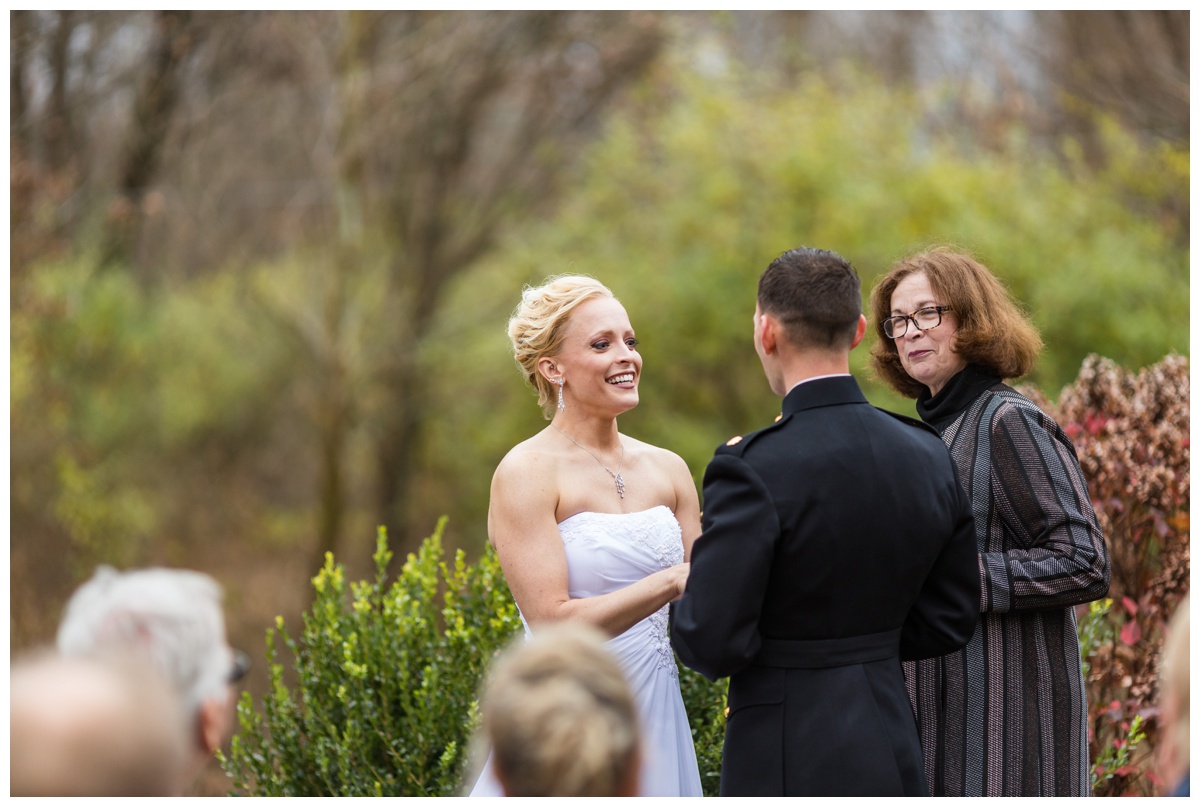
(1132,435)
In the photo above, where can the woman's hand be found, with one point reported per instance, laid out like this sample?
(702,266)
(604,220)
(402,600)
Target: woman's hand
(677,575)
(525,534)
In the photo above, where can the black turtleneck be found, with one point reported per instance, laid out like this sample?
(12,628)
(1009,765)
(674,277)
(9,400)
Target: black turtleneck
(940,410)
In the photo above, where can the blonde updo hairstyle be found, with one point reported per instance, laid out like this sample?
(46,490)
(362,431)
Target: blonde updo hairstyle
(539,323)
(560,718)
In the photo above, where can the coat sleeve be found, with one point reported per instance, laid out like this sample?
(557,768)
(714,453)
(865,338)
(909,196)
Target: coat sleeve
(1057,555)
(715,624)
(946,613)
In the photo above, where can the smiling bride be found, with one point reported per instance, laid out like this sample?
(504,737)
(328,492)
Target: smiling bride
(591,525)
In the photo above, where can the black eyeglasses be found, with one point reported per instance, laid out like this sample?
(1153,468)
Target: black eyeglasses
(923,318)
(241,666)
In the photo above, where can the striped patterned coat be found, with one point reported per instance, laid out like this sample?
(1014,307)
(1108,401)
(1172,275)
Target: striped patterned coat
(1007,715)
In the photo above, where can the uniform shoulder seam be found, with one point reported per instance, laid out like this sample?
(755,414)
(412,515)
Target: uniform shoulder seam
(738,443)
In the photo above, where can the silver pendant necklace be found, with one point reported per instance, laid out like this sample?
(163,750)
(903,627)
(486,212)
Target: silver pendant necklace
(616,476)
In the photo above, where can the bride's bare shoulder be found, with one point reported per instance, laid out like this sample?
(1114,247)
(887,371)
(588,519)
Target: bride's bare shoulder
(525,483)
(535,456)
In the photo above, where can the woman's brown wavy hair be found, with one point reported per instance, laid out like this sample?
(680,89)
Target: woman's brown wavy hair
(993,331)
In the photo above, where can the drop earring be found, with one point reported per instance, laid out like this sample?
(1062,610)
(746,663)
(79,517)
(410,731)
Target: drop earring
(562,405)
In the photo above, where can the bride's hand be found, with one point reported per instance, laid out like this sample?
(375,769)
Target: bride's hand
(678,576)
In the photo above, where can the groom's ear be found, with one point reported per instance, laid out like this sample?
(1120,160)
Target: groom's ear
(769,330)
(860,332)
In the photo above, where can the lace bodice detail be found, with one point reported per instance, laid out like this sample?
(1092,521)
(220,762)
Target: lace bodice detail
(609,551)
(655,530)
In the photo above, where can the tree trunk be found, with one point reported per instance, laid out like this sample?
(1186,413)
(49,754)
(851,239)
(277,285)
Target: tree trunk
(333,426)
(57,135)
(460,180)
(18,101)
(336,405)
(398,457)
(153,109)
(399,448)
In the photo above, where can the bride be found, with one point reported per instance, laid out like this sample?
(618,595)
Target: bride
(592,525)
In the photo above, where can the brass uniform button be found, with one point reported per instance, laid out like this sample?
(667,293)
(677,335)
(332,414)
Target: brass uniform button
(779,417)
(733,441)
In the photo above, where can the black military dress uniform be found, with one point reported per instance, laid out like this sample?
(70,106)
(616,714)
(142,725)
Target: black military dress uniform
(835,543)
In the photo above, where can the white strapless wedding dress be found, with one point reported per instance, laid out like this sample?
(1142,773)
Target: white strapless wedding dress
(607,552)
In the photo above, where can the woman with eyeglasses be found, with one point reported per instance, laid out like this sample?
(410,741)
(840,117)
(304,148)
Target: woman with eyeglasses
(1007,714)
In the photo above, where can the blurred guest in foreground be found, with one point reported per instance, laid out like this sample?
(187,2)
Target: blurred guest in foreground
(85,727)
(170,619)
(1006,715)
(560,717)
(1174,686)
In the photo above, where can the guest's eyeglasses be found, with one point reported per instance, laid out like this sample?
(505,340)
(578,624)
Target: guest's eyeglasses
(923,318)
(241,666)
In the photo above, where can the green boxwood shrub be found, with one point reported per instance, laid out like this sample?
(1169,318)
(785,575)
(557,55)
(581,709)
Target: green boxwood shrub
(381,700)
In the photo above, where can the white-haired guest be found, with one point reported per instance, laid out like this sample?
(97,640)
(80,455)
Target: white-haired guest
(171,619)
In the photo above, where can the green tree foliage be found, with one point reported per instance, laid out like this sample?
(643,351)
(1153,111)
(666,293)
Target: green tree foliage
(703,179)
(149,424)
(110,382)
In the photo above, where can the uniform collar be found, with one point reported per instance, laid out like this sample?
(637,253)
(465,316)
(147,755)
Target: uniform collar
(823,391)
(817,378)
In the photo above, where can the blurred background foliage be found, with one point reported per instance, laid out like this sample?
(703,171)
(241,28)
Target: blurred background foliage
(261,262)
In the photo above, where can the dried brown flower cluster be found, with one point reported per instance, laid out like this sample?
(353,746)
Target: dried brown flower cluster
(1132,435)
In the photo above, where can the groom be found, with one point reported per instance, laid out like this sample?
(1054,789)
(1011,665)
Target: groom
(836,542)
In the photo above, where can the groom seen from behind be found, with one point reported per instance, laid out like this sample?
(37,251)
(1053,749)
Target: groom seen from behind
(835,543)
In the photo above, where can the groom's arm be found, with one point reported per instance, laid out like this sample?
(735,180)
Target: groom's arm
(715,624)
(946,613)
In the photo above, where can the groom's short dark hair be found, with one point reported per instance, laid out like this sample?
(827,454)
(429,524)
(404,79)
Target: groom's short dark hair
(815,294)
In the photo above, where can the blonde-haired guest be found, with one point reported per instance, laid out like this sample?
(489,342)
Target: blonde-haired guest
(590,525)
(560,718)
(96,728)
(1174,726)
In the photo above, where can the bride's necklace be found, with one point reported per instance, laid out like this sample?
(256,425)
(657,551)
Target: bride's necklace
(616,476)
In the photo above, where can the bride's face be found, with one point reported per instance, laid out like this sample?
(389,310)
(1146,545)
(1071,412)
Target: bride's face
(599,360)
